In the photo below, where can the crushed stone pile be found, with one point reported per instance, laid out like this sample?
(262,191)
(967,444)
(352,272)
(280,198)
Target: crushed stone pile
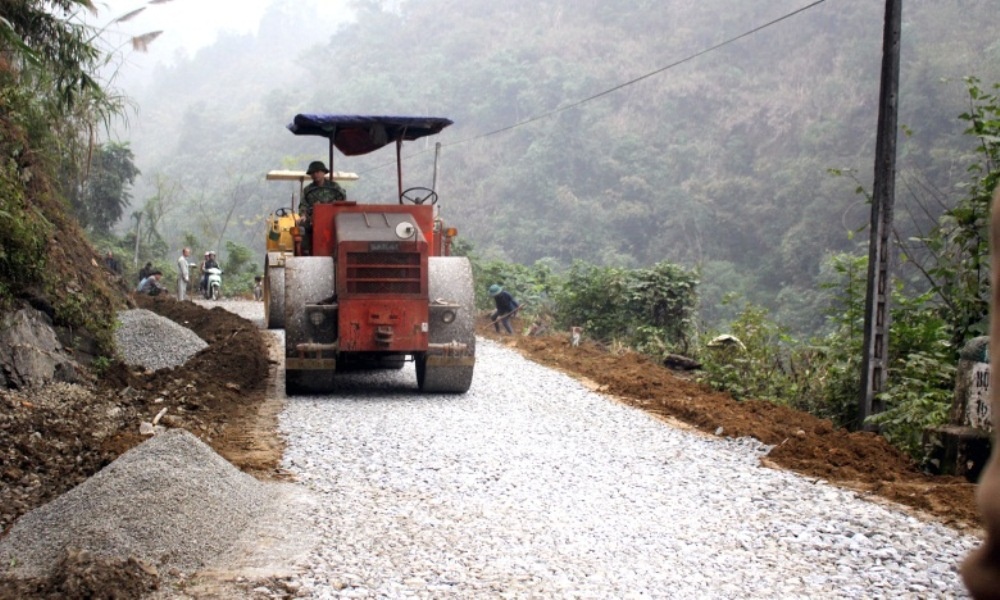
(171,502)
(148,340)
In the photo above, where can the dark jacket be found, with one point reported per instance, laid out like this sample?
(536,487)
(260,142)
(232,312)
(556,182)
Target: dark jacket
(505,302)
(314,194)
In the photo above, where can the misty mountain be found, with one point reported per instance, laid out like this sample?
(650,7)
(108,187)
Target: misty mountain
(717,160)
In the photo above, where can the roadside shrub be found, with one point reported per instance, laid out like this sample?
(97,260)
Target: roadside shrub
(648,309)
(922,360)
(239,270)
(240,259)
(922,368)
(839,351)
(766,363)
(23,235)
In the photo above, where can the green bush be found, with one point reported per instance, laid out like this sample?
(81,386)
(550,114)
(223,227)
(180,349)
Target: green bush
(839,351)
(922,366)
(23,235)
(649,309)
(766,363)
(823,377)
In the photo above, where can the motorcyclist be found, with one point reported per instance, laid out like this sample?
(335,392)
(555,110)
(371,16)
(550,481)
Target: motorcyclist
(209,263)
(201,267)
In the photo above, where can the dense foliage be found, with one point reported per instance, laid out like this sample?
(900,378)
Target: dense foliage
(49,104)
(23,232)
(940,301)
(100,201)
(649,309)
(952,255)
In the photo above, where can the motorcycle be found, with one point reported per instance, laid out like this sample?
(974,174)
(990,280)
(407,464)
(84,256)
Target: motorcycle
(213,285)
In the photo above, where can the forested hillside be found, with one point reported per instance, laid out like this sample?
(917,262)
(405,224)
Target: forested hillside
(719,163)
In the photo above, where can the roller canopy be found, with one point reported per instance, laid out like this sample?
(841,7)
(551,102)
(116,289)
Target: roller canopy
(356,134)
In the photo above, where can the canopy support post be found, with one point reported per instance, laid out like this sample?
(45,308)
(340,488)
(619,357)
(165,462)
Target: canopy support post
(399,167)
(331,158)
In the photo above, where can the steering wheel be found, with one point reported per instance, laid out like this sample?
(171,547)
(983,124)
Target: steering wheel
(420,195)
(282,212)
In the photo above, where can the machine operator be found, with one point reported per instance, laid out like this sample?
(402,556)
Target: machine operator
(321,191)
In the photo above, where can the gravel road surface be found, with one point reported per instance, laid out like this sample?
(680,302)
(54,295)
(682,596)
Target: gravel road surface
(532,486)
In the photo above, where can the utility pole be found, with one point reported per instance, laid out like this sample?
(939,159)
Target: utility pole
(138,223)
(874,364)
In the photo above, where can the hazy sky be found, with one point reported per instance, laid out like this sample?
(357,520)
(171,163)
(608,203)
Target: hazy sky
(189,25)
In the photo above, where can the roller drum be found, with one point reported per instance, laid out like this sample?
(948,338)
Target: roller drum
(450,280)
(308,280)
(274,291)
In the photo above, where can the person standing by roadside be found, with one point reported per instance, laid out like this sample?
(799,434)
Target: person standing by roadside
(204,275)
(506,307)
(183,274)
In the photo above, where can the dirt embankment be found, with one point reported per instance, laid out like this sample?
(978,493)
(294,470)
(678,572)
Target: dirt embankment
(52,439)
(861,461)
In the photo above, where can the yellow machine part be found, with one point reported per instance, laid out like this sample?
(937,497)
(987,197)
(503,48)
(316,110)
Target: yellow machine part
(279,234)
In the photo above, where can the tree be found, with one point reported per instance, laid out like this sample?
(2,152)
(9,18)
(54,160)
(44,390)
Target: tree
(150,241)
(53,51)
(102,199)
(238,258)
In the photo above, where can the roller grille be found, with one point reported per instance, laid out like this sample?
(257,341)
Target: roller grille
(383,273)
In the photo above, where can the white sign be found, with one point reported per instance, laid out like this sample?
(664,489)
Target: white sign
(978,408)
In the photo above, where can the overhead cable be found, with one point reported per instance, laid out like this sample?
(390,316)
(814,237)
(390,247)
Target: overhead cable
(677,63)
(638,79)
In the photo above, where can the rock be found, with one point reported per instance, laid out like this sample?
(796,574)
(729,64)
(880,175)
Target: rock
(31,354)
(681,363)
(172,421)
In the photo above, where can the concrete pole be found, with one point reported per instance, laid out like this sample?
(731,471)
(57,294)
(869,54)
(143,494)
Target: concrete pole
(876,343)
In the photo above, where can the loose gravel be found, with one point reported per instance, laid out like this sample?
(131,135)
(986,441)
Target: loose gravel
(171,502)
(532,486)
(146,339)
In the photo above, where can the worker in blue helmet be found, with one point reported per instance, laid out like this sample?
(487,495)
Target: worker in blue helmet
(506,305)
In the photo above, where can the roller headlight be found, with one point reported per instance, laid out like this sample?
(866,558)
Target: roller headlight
(447,316)
(405,231)
(317,317)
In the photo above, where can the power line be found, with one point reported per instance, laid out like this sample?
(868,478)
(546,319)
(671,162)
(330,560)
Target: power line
(641,77)
(621,85)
